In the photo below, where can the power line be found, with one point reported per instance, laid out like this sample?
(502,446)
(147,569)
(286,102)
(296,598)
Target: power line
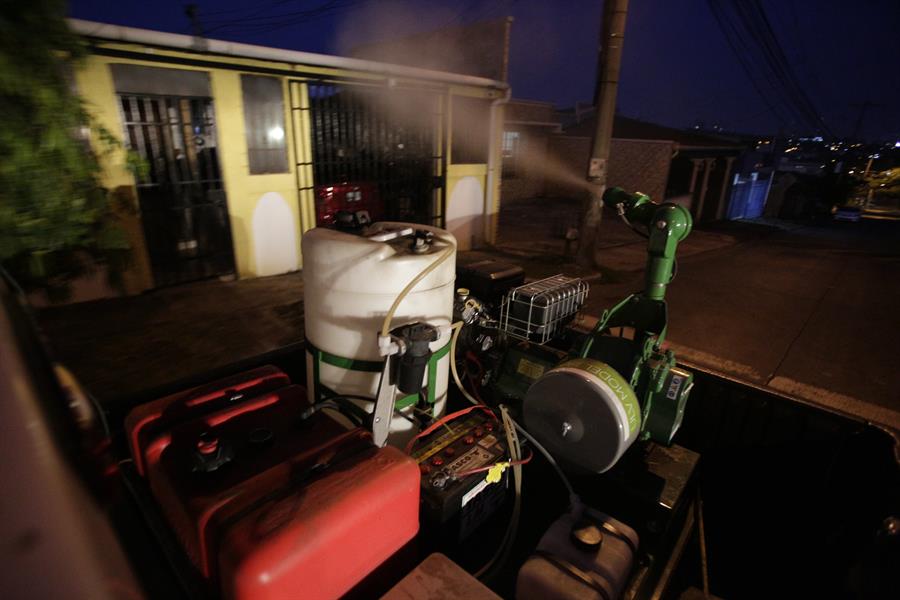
(779,61)
(749,34)
(260,22)
(731,37)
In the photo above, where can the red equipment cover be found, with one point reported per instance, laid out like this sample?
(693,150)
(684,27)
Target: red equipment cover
(296,508)
(153,417)
(351,197)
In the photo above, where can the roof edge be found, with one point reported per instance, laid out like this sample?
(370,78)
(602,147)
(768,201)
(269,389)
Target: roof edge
(177,41)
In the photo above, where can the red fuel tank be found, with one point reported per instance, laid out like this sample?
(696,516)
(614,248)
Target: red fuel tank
(276,506)
(323,538)
(155,416)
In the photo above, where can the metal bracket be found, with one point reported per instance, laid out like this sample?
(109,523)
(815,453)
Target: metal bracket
(384,406)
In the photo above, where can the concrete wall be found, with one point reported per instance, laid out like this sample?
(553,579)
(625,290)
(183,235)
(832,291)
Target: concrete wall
(573,153)
(634,165)
(523,177)
(640,166)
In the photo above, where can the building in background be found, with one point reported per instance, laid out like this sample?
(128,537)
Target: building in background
(247,147)
(691,168)
(528,128)
(479,49)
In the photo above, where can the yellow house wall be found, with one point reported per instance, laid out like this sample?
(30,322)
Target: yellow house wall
(243,190)
(468,217)
(95,86)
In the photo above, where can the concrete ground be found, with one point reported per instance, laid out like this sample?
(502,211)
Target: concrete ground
(122,346)
(810,310)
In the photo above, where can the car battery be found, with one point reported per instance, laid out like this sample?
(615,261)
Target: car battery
(489,280)
(455,504)
(271,504)
(142,422)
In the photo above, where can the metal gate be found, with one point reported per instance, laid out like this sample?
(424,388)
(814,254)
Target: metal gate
(378,149)
(182,197)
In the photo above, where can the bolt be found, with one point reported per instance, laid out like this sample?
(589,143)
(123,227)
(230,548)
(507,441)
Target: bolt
(890,526)
(661,224)
(207,443)
(566,428)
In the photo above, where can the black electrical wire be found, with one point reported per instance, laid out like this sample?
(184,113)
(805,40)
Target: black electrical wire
(341,403)
(749,32)
(257,22)
(733,39)
(622,216)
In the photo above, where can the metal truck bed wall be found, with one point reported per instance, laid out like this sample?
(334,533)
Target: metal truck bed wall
(792,494)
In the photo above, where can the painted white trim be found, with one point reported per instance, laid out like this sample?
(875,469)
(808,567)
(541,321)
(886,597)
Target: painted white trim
(178,41)
(535,124)
(493,177)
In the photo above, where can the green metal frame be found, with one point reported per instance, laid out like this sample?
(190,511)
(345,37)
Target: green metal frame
(320,356)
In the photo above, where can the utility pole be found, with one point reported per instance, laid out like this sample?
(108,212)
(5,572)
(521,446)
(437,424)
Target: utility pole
(612,38)
(192,12)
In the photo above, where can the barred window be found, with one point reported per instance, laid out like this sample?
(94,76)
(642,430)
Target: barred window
(510,152)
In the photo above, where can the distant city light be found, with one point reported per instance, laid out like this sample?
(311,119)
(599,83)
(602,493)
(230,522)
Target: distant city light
(897,144)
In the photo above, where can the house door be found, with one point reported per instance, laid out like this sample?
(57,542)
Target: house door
(374,149)
(180,190)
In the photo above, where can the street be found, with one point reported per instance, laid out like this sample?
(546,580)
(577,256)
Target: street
(808,310)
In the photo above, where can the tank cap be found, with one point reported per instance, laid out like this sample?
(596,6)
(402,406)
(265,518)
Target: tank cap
(586,536)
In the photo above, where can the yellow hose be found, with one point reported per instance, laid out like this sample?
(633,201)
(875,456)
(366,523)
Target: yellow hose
(386,326)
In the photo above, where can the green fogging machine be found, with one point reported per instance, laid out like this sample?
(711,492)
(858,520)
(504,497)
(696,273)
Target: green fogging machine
(586,390)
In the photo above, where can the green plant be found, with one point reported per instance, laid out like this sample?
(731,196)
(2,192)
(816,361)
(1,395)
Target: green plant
(56,221)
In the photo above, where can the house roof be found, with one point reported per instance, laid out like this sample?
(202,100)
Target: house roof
(628,128)
(531,112)
(118,33)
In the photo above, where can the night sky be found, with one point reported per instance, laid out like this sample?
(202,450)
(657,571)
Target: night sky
(677,70)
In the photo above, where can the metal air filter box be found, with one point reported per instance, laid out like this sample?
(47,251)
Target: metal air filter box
(539,310)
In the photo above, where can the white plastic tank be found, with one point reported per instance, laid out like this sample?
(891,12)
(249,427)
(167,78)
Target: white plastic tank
(350,282)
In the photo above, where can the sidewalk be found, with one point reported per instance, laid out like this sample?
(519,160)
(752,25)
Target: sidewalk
(619,250)
(120,346)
